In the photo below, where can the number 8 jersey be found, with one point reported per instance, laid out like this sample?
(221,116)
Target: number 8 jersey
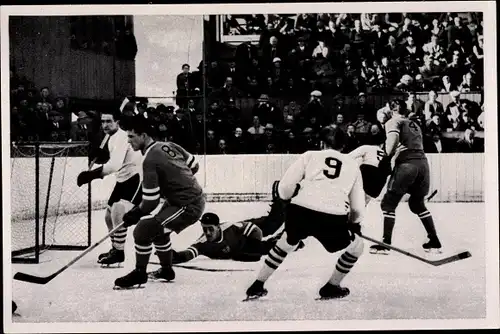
(167,173)
(330,182)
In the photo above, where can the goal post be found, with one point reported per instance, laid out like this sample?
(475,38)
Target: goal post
(48,210)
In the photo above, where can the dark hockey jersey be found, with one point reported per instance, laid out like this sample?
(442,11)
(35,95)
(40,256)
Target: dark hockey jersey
(236,239)
(167,173)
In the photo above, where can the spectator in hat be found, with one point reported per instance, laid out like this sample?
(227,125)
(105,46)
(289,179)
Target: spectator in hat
(382,85)
(362,107)
(266,111)
(361,127)
(339,106)
(81,128)
(315,107)
(278,73)
(405,84)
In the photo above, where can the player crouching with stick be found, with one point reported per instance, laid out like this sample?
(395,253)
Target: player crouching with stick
(168,173)
(329,207)
(125,163)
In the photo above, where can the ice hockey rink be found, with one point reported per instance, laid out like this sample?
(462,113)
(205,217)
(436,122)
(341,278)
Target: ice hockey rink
(382,286)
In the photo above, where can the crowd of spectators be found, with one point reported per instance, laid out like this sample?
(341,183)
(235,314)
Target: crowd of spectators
(322,68)
(310,60)
(37,115)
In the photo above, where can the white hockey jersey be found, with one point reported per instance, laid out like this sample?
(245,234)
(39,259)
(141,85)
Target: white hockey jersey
(330,182)
(123,160)
(368,155)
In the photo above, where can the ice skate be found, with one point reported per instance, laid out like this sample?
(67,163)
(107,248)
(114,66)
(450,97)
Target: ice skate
(164,274)
(433,245)
(379,249)
(330,291)
(129,281)
(115,256)
(255,291)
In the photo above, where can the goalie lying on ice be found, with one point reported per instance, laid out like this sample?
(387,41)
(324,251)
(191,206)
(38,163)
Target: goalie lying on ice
(240,241)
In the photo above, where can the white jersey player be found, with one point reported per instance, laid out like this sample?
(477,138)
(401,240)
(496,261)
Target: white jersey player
(125,164)
(329,207)
(375,167)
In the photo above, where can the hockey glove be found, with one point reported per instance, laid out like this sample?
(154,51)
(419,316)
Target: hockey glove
(354,228)
(133,216)
(87,176)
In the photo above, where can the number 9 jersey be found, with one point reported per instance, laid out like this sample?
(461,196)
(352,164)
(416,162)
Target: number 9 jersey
(330,182)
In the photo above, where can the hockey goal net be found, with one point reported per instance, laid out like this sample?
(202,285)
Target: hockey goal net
(48,210)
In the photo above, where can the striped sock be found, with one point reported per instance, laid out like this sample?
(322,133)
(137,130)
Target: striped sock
(142,253)
(275,258)
(164,252)
(428,222)
(389,222)
(343,267)
(119,238)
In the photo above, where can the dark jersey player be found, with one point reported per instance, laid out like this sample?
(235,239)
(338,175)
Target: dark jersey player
(410,176)
(240,241)
(168,174)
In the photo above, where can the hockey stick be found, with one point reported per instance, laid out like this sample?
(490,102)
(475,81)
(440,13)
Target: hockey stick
(453,258)
(202,269)
(104,141)
(432,195)
(44,280)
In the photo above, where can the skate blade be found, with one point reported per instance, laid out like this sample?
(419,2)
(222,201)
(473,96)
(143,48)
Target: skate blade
(377,252)
(113,265)
(434,251)
(137,286)
(161,280)
(330,298)
(253,298)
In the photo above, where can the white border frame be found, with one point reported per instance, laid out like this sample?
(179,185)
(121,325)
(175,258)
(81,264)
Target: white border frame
(491,188)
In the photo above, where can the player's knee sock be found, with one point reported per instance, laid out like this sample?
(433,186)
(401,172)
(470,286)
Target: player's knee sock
(389,222)
(119,238)
(163,247)
(347,261)
(117,212)
(142,253)
(275,258)
(428,223)
(109,222)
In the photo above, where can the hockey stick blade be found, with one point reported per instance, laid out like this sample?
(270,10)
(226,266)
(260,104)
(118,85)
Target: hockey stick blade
(44,280)
(33,279)
(453,258)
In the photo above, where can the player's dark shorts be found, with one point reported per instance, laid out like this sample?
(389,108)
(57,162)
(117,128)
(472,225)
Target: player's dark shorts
(129,190)
(330,230)
(410,177)
(177,218)
(373,180)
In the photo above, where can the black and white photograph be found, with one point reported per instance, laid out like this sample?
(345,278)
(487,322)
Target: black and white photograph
(279,167)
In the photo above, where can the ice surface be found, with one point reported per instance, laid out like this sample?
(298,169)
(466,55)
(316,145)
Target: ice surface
(382,287)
